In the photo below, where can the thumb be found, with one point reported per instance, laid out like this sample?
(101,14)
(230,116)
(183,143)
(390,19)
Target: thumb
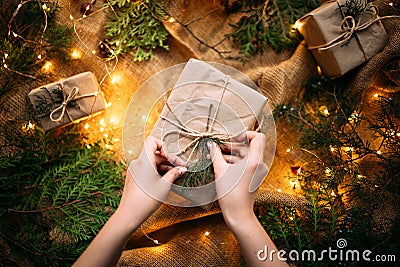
(174,173)
(217,158)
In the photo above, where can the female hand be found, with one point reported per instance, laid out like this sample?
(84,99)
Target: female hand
(144,184)
(238,177)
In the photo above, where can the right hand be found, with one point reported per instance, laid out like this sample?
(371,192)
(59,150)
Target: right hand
(238,177)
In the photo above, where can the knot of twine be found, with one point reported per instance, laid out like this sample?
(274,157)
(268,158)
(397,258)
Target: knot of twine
(349,27)
(197,135)
(67,98)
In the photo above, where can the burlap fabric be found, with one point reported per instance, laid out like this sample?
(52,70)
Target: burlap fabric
(180,231)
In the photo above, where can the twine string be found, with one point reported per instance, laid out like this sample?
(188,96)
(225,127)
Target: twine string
(67,98)
(197,135)
(349,27)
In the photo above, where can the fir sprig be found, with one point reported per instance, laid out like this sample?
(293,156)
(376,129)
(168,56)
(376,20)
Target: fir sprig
(268,23)
(136,27)
(56,194)
(201,171)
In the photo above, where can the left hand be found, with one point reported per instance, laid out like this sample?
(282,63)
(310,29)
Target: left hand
(144,185)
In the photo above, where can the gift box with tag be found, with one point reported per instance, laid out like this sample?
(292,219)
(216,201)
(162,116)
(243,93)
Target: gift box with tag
(67,101)
(342,37)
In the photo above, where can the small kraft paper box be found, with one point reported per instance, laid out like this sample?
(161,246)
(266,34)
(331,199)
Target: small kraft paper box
(340,41)
(204,104)
(67,101)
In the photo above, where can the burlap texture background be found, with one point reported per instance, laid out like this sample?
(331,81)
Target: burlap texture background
(180,231)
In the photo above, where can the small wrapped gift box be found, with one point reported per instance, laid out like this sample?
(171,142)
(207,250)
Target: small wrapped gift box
(340,41)
(204,104)
(67,101)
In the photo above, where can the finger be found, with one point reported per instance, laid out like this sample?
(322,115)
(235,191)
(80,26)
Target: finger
(256,148)
(217,158)
(232,159)
(174,173)
(163,168)
(236,149)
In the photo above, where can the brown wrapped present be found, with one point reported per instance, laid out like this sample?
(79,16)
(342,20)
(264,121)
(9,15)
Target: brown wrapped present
(339,40)
(204,104)
(67,101)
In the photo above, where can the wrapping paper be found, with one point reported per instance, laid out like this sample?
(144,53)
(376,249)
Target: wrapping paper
(324,24)
(85,100)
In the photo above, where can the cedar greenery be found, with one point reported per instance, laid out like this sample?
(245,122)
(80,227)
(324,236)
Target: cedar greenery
(137,26)
(355,210)
(56,194)
(268,23)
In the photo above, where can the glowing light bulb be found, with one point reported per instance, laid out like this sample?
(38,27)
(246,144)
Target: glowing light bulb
(130,152)
(116,78)
(5,66)
(71,17)
(207,233)
(108,104)
(94,52)
(376,95)
(86,126)
(5,55)
(379,152)
(106,135)
(15,35)
(332,149)
(390,4)
(156,241)
(171,20)
(102,122)
(39,56)
(279,190)
(288,150)
(398,134)
(76,54)
(333,194)
(319,70)
(47,67)
(101,129)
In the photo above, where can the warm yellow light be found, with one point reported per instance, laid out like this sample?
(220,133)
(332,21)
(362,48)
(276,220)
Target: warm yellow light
(116,78)
(113,120)
(390,4)
(88,147)
(291,218)
(39,56)
(15,35)
(94,52)
(108,104)
(171,20)
(279,190)
(86,126)
(349,148)
(332,149)
(398,134)
(156,241)
(379,152)
(71,17)
(130,152)
(101,129)
(5,55)
(288,150)
(47,67)
(207,233)
(106,135)
(297,25)
(76,54)
(333,194)
(376,95)
(319,70)
(293,183)
(5,66)
(324,111)
(115,140)
(102,122)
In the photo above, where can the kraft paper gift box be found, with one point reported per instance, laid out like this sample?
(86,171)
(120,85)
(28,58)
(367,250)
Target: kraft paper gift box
(340,42)
(67,101)
(200,91)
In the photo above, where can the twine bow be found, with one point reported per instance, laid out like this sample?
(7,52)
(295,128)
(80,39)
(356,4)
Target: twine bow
(349,27)
(197,135)
(67,98)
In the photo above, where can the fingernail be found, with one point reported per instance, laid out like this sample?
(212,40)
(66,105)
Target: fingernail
(181,169)
(210,144)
